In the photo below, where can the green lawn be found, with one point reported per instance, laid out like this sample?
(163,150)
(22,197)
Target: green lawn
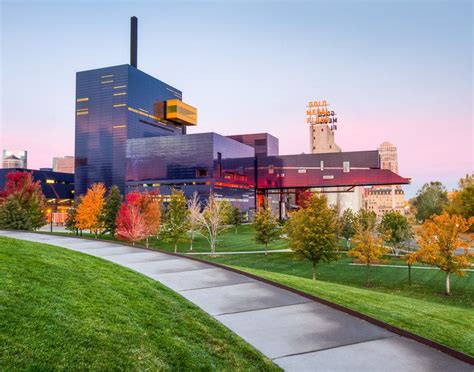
(65,310)
(422,308)
(229,241)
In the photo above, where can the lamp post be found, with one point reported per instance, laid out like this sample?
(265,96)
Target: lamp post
(50,220)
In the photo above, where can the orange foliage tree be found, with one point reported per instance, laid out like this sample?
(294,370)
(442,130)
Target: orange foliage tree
(441,246)
(368,246)
(89,212)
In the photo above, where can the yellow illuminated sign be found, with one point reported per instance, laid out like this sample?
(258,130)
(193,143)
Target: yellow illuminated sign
(317,112)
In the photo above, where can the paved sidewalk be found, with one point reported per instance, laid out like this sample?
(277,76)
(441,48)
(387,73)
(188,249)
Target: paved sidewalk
(296,333)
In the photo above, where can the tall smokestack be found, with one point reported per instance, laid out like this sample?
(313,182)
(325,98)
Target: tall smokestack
(133,41)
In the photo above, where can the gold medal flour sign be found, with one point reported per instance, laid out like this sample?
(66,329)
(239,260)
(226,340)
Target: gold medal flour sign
(317,112)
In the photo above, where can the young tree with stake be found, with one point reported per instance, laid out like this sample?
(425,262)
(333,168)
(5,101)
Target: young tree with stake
(90,211)
(368,246)
(194,208)
(312,232)
(176,221)
(266,227)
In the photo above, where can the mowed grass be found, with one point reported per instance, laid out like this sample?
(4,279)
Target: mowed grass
(228,241)
(65,310)
(421,308)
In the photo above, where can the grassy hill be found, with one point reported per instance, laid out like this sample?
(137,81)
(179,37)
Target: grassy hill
(62,309)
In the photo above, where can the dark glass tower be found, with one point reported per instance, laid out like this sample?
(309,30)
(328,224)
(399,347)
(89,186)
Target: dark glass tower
(114,104)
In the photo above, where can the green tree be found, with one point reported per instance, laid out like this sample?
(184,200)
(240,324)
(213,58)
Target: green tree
(236,217)
(347,225)
(430,199)
(462,202)
(312,231)
(266,227)
(366,220)
(111,209)
(71,216)
(396,230)
(176,221)
(13,215)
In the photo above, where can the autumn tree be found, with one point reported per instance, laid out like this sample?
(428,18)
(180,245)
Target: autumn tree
(213,220)
(430,200)
(347,225)
(89,212)
(176,222)
(130,224)
(150,208)
(312,231)
(31,201)
(266,227)
(194,208)
(112,205)
(367,246)
(441,246)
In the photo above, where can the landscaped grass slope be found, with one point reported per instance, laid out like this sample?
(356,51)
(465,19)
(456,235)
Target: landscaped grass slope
(422,309)
(63,309)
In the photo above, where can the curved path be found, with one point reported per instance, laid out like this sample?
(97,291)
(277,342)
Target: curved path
(297,333)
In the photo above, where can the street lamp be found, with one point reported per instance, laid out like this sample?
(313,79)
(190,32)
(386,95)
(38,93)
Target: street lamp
(50,220)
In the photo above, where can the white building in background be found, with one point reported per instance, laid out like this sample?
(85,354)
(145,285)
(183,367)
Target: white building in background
(15,159)
(63,164)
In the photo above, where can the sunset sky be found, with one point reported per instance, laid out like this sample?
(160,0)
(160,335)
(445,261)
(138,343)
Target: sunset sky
(398,71)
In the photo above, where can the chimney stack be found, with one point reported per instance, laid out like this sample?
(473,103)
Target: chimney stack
(133,41)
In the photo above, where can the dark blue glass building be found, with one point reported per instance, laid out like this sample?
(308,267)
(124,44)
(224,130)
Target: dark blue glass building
(114,104)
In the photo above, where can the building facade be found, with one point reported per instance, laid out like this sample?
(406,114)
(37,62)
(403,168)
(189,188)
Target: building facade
(63,164)
(114,104)
(15,159)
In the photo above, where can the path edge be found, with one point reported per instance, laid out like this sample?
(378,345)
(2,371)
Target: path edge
(399,331)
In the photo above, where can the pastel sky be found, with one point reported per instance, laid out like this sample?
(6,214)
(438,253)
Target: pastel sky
(399,71)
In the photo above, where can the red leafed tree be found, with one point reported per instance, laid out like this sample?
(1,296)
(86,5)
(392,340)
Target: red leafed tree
(149,208)
(130,224)
(27,193)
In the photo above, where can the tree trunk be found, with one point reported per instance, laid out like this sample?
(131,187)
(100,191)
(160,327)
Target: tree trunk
(448,285)
(192,239)
(314,270)
(266,245)
(409,275)
(236,230)
(175,247)
(367,284)
(133,242)
(213,249)
(146,244)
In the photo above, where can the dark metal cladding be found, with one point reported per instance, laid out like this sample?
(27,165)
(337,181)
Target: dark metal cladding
(133,41)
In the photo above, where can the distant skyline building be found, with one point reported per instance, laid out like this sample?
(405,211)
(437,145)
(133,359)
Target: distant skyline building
(382,199)
(15,159)
(64,164)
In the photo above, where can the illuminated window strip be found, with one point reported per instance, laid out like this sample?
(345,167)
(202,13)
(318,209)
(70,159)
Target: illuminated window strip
(82,113)
(120,105)
(106,81)
(120,94)
(82,99)
(143,113)
(143,110)
(119,126)
(106,76)
(120,86)
(83,109)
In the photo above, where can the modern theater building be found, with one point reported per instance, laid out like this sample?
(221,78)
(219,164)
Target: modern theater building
(131,132)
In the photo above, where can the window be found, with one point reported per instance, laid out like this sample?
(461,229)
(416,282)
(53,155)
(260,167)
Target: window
(321,164)
(201,172)
(346,166)
(271,169)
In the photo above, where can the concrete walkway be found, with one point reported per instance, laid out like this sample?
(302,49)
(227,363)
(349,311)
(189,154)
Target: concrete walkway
(298,334)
